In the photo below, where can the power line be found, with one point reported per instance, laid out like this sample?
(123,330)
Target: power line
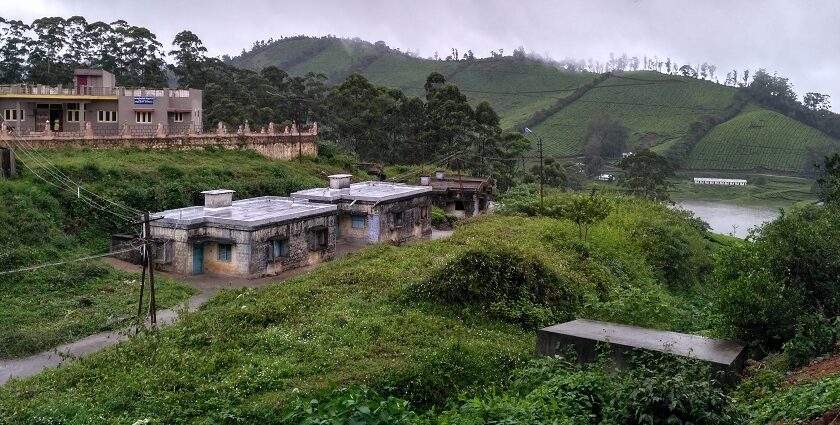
(76,260)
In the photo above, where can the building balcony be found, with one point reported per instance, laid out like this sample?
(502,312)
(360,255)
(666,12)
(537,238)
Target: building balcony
(28,91)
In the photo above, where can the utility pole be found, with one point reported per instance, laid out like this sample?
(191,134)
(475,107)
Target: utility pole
(542,176)
(150,255)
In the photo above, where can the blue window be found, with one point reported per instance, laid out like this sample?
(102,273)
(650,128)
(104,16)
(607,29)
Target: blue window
(225,251)
(358,221)
(280,248)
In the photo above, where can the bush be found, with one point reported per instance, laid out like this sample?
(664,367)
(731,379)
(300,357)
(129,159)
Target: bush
(354,405)
(441,218)
(504,285)
(657,389)
(786,276)
(662,389)
(815,335)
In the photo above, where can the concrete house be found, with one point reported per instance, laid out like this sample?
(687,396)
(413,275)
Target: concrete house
(95,98)
(374,212)
(247,238)
(459,195)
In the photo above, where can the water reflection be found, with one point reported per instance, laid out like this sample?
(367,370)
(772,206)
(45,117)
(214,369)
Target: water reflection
(730,219)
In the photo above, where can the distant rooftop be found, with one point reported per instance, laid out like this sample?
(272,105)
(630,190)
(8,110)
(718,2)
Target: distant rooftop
(365,191)
(247,212)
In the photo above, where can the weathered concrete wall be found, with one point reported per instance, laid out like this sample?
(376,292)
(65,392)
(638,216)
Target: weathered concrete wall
(251,251)
(381,224)
(272,146)
(303,250)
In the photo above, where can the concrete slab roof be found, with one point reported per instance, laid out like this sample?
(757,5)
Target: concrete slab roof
(365,191)
(694,346)
(218,191)
(253,212)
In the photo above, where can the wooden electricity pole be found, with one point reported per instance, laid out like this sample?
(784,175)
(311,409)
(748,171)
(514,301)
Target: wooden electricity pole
(542,176)
(150,256)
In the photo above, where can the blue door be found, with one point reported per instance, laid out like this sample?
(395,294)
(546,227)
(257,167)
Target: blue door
(198,258)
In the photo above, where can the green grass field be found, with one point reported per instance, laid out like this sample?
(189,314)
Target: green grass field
(655,108)
(758,139)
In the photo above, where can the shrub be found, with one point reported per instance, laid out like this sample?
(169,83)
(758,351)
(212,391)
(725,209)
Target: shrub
(354,405)
(663,389)
(781,279)
(504,285)
(441,218)
(815,334)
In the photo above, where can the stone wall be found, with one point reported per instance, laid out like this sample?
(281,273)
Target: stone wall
(274,146)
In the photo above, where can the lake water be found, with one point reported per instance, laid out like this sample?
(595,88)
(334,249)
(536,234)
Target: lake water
(730,219)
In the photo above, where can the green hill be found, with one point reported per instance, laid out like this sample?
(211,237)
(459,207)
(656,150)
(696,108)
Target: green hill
(658,109)
(758,139)
(517,88)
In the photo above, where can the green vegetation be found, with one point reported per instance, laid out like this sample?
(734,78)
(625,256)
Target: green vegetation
(654,108)
(515,87)
(46,308)
(42,223)
(772,191)
(365,319)
(758,138)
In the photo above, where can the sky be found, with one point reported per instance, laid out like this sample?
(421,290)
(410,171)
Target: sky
(797,39)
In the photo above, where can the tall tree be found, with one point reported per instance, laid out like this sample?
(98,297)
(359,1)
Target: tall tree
(646,174)
(189,60)
(13,51)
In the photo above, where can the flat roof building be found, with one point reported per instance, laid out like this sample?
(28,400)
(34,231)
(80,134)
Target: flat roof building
(374,212)
(95,98)
(247,238)
(719,182)
(459,195)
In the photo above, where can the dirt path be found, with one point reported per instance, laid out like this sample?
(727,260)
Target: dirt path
(206,284)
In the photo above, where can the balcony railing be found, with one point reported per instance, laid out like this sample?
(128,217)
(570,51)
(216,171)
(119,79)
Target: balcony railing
(35,89)
(42,90)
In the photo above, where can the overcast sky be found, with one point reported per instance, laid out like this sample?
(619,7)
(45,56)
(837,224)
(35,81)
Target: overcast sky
(797,39)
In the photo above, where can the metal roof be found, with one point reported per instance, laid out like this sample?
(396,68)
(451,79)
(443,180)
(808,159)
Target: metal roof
(253,212)
(365,191)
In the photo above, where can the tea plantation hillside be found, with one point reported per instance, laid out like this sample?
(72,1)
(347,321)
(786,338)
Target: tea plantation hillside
(656,109)
(45,222)
(423,322)
(517,88)
(759,138)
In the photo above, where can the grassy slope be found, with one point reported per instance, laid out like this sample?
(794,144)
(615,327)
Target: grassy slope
(757,139)
(485,79)
(246,352)
(651,105)
(40,223)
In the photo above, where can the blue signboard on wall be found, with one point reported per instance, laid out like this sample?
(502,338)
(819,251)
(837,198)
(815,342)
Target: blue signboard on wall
(144,100)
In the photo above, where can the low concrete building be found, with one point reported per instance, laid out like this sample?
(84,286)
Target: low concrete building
(459,195)
(583,336)
(247,238)
(374,212)
(719,182)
